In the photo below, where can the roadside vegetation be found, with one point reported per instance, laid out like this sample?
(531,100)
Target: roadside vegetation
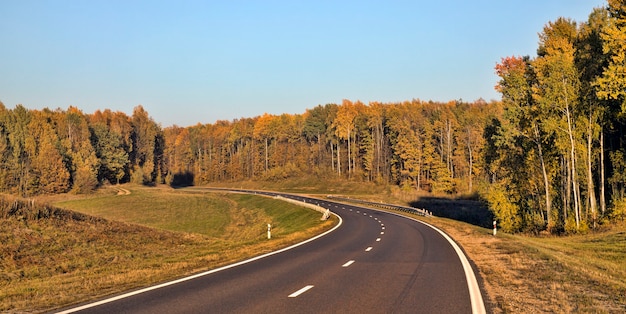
(53,257)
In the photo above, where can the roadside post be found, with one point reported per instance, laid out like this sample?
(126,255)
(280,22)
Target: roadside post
(494,228)
(269,231)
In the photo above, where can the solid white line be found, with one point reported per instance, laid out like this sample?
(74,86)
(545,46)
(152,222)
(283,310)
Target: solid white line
(347,264)
(368,249)
(136,292)
(476,298)
(301,291)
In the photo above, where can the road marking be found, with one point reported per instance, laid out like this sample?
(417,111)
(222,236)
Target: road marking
(383,228)
(348,263)
(368,249)
(378,240)
(301,291)
(382,232)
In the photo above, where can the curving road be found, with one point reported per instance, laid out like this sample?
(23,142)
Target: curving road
(374,262)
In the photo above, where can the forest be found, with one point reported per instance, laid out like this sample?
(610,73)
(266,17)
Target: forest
(549,156)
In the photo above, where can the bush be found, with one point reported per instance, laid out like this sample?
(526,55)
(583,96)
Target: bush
(504,211)
(618,211)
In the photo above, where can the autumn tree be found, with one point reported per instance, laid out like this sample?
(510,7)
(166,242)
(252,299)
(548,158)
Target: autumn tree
(50,174)
(146,154)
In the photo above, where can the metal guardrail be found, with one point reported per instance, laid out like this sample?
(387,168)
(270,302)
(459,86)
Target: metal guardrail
(325,212)
(405,209)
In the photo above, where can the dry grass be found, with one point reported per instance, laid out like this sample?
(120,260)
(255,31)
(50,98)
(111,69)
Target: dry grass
(556,275)
(53,257)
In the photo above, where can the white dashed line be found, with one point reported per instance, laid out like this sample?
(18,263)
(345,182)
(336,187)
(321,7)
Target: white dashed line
(368,249)
(378,240)
(383,228)
(347,264)
(382,232)
(301,291)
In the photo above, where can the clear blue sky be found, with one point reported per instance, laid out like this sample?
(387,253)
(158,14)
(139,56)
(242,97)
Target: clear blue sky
(201,61)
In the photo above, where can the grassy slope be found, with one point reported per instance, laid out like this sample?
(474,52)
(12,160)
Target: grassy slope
(57,260)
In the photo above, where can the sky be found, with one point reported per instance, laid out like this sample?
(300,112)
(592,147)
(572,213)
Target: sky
(189,62)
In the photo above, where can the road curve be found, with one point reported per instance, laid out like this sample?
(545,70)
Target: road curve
(374,262)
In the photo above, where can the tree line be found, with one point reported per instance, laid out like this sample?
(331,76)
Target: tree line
(46,151)
(556,157)
(415,144)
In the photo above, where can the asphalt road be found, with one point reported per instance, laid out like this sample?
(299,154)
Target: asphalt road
(375,262)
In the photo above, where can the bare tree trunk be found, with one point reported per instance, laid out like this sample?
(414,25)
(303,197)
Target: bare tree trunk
(449,144)
(349,157)
(266,156)
(573,167)
(338,159)
(602,180)
(546,182)
(471,159)
(591,189)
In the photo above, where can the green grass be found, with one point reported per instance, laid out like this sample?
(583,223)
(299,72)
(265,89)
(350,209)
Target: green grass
(313,185)
(162,209)
(53,257)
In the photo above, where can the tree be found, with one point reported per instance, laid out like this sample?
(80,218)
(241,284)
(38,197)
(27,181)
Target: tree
(50,174)
(526,117)
(590,61)
(110,151)
(558,88)
(612,84)
(146,155)
(344,127)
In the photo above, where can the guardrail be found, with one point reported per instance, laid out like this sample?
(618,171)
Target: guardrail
(405,209)
(325,212)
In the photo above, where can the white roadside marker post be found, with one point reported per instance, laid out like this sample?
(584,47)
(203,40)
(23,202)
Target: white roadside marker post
(269,231)
(494,228)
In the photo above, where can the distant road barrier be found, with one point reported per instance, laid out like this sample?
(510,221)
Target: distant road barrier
(405,209)
(325,212)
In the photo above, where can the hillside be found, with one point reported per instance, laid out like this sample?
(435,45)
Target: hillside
(53,257)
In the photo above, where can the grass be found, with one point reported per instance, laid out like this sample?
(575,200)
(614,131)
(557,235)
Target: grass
(53,257)
(519,274)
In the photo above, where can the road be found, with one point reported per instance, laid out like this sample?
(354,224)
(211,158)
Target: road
(375,262)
